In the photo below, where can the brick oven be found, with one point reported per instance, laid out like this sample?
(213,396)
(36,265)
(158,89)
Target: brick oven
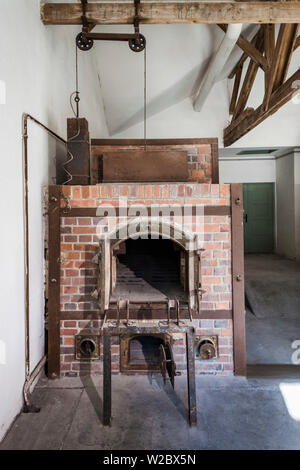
(159,263)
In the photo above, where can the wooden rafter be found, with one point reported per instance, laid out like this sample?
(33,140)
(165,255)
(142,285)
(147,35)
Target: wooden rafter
(249,49)
(269,36)
(281,59)
(278,91)
(248,80)
(173,12)
(236,87)
(252,118)
(297,43)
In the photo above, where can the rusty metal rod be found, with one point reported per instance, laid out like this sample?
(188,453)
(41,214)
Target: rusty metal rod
(110,36)
(28,376)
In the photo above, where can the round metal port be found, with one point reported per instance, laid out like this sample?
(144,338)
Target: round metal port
(87,347)
(205,350)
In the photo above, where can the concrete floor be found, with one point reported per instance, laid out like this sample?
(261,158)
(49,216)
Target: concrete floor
(260,412)
(233,413)
(273,289)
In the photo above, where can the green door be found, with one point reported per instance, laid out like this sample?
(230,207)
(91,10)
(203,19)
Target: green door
(259,217)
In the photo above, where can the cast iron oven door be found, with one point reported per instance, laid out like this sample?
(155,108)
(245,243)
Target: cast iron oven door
(143,353)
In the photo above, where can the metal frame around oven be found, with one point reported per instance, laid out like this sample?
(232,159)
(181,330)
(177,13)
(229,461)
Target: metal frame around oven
(55,315)
(109,331)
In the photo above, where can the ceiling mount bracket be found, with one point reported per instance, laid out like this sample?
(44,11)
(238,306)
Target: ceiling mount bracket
(85,39)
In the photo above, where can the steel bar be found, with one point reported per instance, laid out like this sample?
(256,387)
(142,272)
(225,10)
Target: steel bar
(106,378)
(110,36)
(191,378)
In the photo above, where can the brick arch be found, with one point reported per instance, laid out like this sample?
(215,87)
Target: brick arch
(154,226)
(149,226)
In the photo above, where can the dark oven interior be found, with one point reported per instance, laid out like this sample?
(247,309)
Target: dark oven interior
(141,353)
(148,270)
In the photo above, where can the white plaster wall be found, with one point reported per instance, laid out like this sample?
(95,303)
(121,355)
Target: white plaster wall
(247,170)
(285,201)
(177,58)
(37,67)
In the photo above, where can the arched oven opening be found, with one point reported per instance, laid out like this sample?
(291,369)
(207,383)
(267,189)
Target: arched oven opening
(148,270)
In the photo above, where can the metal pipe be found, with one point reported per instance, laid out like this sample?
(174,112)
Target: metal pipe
(28,406)
(215,67)
(29,377)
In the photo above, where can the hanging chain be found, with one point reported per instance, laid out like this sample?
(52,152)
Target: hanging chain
(76,92)
(77,99)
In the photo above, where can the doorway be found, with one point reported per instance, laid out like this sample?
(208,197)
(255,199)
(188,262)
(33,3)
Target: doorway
(259,208)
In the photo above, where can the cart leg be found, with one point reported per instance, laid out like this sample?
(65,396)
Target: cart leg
(191,379)
(106,379)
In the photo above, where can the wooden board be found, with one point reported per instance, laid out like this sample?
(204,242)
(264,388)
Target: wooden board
(172,12)
(238,282)
(54,283)
(144,166)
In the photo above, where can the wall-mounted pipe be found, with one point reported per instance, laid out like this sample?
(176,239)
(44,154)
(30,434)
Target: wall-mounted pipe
(29,377)
(215,67)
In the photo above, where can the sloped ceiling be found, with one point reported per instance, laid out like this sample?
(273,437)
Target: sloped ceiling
(177,57)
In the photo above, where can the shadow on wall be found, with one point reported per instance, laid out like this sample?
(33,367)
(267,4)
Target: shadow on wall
(185,87)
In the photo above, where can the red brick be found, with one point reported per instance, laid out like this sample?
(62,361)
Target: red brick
(66,246)
(72,272)
(204,149)
(84,221)
(197,174)
(69,221)
(85,191)
(82,230)
(165,192)
(70,289)
(76,192)
(94,191)
(70,238)
(124,191)
(226,332)
(224,189)
(102,191)
(69,323)
(68,340)
(212,280)
(156,191)
(140,192)
(68,332)
(85,238)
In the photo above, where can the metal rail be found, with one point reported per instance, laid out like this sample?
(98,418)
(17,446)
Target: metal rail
(28,407)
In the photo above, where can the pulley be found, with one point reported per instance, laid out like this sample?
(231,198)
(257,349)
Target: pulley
(83,42)
(137,44)
(85,39)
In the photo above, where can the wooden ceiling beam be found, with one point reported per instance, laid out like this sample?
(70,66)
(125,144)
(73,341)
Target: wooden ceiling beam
(253,118)
(168,12)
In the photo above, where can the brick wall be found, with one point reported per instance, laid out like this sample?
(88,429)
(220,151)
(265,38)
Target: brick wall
(222,365)
(79,242)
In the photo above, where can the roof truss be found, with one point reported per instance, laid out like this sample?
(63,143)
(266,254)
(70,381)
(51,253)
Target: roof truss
(278,90)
